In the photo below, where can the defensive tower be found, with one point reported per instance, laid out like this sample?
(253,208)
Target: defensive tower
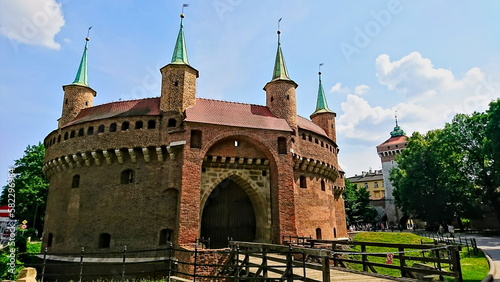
(178,87)
(77,95)
(323,116)
(280,91)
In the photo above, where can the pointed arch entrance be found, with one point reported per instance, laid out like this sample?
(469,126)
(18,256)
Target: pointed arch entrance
(228,213)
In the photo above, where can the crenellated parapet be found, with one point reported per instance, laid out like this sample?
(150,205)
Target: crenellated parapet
(111,156)
(324,169)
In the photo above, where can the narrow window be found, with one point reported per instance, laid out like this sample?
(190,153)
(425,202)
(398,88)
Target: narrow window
(304,136)
(86,103)
(104,240)
(165,236)
(272,99)
(316,140)
(76,181)
(66,136)
(125,125)
(288,97)
(50,240)
(310,138)
(90,131)
(100,128)
(303,183)
(172,122)
(264,173)
(58,138)
(127,176)
(139,125)
(151,124)
(334,232)
(236,143)
(195,139)
(318,233)
(66,101)
(375,185)
(112,127)
(323,186)
(80,132)
(176,83)
(72,135)
(282,145)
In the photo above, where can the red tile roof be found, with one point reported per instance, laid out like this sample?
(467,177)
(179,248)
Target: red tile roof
(309,125)
(394,140)
(205,111)
(141,107)
(234,114)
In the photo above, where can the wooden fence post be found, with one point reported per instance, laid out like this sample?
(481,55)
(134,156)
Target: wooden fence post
(326,269)
(81,264)
(455,257)
(364,258)
(123,262)
(44,263)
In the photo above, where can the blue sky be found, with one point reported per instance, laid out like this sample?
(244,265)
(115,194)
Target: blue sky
(427,60)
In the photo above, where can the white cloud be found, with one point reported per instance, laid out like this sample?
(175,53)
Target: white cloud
(338,88)
(31,21)
(431,97)
(361,89)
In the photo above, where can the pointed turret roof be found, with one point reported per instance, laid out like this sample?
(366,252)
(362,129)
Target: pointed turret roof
(82,76)
(397,130)
(280,72)
(180,52)
(321,104)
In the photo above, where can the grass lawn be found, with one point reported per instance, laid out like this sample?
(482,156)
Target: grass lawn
(474,268)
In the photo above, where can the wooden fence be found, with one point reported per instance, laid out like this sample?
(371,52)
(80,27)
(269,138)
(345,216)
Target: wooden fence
(245,261)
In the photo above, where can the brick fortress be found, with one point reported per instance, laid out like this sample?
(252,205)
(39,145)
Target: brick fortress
(175,168)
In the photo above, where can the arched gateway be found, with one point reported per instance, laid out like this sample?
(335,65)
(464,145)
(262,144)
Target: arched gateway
(228,213)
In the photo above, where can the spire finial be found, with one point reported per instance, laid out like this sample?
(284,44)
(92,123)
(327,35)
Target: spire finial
(180,51)
(397,130)
(321,104)
(88,33)
(81,75)
(280,71)
(182,11)
(279,31)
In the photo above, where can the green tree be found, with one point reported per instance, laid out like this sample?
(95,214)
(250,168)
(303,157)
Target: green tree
(493,149)
(357,205)
(476,137)
(428,183)
(31,187)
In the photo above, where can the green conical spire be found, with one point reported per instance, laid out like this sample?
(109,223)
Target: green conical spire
(280,71)
(180,52)
(82,76)
(397,130)
(321,104)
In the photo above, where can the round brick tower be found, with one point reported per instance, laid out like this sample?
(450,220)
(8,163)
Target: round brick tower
(77,95)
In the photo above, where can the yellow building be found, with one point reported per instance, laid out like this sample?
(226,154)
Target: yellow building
(373,181)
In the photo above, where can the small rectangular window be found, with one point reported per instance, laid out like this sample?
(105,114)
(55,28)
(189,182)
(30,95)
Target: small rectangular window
(195,139)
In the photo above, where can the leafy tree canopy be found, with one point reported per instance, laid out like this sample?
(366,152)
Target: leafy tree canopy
(452,172)
(357,205)
(30,186)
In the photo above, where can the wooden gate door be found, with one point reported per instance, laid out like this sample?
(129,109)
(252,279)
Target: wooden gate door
(228,212)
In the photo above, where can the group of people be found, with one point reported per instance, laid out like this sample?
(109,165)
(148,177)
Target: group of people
(450,228)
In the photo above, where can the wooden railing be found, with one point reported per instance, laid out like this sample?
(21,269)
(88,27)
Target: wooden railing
(441,260)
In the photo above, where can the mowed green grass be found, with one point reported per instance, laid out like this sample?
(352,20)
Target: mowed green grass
(474,268)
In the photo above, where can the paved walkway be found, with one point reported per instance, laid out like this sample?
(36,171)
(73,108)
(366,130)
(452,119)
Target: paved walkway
(491,246)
